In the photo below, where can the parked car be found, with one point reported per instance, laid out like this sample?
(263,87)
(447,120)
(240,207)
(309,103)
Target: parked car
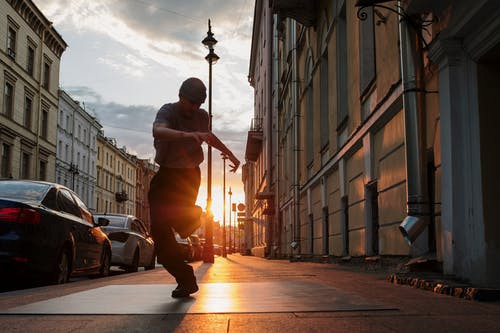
(186,247)
(197,247)
(47,233)
(131,244)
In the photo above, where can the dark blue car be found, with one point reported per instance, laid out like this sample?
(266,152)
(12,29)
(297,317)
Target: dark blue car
(47,233)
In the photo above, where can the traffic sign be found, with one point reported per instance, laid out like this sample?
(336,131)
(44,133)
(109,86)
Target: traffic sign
(241,213)
(241,207)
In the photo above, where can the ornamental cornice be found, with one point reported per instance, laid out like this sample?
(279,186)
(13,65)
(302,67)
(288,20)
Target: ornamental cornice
(446,52)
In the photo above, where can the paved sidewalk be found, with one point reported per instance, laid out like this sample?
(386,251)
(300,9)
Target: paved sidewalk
(248,294)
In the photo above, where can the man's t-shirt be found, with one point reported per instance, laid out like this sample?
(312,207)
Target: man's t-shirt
(184,153)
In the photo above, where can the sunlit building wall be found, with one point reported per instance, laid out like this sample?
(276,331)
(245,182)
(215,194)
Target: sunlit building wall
(116,178)
(341,133)
(30,54)
(145,172)
(359,154)
(259,189)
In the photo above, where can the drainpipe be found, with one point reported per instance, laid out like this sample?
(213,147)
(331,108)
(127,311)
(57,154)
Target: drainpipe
(269,178)
(274,104)
(39,113)
(417,217)
(296,150)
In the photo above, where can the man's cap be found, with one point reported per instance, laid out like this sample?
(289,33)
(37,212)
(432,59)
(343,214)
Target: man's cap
(194,90)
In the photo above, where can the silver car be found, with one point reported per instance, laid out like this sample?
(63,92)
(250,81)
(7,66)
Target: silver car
(131,244)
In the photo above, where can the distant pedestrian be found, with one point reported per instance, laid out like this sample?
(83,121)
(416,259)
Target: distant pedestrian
(179,130)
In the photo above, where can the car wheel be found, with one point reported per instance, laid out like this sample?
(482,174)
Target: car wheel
(152,264)
(105,264)
(134,267)
(62,269)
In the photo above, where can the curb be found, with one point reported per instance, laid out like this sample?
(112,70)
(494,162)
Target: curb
(447,287)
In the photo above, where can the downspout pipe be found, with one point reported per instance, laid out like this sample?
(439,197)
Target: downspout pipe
(275,111)
(417,217)
(269,118)
(296,148)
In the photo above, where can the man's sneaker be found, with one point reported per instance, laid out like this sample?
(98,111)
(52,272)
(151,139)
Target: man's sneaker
(184,290)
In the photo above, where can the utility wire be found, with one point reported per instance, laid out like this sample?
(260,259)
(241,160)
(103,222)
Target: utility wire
(194,19)
(126,129)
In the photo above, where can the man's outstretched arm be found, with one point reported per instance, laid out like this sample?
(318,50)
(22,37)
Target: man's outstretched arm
(163,131)
(214,141)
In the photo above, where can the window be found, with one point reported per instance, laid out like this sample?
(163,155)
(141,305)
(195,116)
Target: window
(309,111)
(324,123)
(43,170)
(67,123)
(46,74)
(342,114)
(59,150)
(25,166)
(66,155)
(366,52)
(79,132)
(5,168)
(50,200)
(11,42)
(66,203)
(84,163)
(84,210)
(61,118)
(28,110)
(8,99)
(30,66)
(45,123)
(78,158)
(84,135)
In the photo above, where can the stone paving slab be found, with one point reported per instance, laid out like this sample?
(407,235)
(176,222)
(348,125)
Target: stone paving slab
(248,297)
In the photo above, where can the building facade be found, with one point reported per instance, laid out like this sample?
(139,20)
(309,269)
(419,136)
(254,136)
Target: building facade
(259,226)
(116,178)
(76,165)
(382,127)
(145,173)
(30,53)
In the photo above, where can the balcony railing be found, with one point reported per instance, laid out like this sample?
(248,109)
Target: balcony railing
(254,140)
(121,196)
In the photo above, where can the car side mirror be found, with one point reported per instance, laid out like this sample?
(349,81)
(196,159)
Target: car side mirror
(102,222)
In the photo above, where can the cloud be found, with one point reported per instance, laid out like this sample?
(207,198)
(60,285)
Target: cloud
(155,30)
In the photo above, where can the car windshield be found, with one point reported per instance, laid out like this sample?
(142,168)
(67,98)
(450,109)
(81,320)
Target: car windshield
(114,221)
(19,190)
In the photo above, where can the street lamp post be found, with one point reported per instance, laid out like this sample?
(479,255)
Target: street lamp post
(208,253)
(230,194)
(224,253)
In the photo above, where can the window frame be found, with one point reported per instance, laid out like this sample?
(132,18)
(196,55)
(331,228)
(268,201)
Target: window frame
(8,103)
(6,161)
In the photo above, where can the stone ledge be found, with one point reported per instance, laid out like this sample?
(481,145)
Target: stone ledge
(446,286)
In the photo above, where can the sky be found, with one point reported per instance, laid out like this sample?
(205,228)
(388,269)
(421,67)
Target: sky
(126,58)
